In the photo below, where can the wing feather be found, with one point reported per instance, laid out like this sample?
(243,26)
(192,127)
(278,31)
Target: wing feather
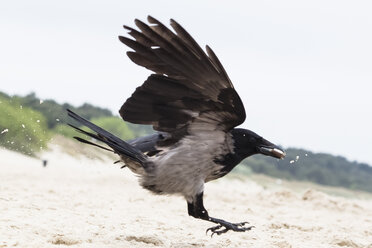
(190,90)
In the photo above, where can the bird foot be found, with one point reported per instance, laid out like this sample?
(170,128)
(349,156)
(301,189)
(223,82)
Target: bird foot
(226,226)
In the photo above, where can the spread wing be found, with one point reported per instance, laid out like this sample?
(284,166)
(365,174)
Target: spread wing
(190,90)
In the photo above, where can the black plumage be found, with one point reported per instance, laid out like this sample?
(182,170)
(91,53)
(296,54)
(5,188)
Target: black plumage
(193,105)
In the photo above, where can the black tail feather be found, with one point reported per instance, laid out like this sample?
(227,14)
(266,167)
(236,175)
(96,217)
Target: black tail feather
(119,146)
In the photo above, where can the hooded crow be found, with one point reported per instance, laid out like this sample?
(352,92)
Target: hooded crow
(192,104)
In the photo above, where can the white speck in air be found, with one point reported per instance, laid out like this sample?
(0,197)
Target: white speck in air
(5,130)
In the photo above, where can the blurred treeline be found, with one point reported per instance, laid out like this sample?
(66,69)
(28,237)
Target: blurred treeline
(27,123)
(320,168)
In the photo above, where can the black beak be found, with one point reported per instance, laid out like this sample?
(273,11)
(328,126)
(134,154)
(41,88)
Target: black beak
(269,149)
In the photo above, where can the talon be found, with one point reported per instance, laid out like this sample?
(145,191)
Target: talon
(226,226)
(213,229)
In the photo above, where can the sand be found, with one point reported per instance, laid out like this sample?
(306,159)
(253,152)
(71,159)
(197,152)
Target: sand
(89,202)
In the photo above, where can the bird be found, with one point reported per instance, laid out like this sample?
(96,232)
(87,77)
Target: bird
(192,105)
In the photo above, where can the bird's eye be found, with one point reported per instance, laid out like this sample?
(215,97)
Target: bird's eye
(243,134)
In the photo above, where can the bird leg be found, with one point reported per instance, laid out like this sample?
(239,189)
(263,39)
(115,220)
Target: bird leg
(197,210)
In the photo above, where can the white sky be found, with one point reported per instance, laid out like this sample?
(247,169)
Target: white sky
(302,68)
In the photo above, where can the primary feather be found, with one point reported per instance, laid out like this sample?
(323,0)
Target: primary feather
(190,89)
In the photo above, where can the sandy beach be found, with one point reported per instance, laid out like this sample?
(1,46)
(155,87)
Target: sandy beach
(86,201)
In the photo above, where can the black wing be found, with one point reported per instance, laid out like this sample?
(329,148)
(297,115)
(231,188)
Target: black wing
(190,90)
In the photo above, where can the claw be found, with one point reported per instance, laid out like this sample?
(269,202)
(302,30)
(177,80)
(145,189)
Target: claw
(212,229)
(224,227)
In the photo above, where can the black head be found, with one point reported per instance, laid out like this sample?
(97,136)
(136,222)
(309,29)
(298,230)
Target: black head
(247,143)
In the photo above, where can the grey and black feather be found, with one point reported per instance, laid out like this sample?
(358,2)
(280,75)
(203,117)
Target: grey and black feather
(188,86)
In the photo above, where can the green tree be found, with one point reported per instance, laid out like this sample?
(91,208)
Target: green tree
(22,129)
(114,125)
(320,168)
(55,113)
